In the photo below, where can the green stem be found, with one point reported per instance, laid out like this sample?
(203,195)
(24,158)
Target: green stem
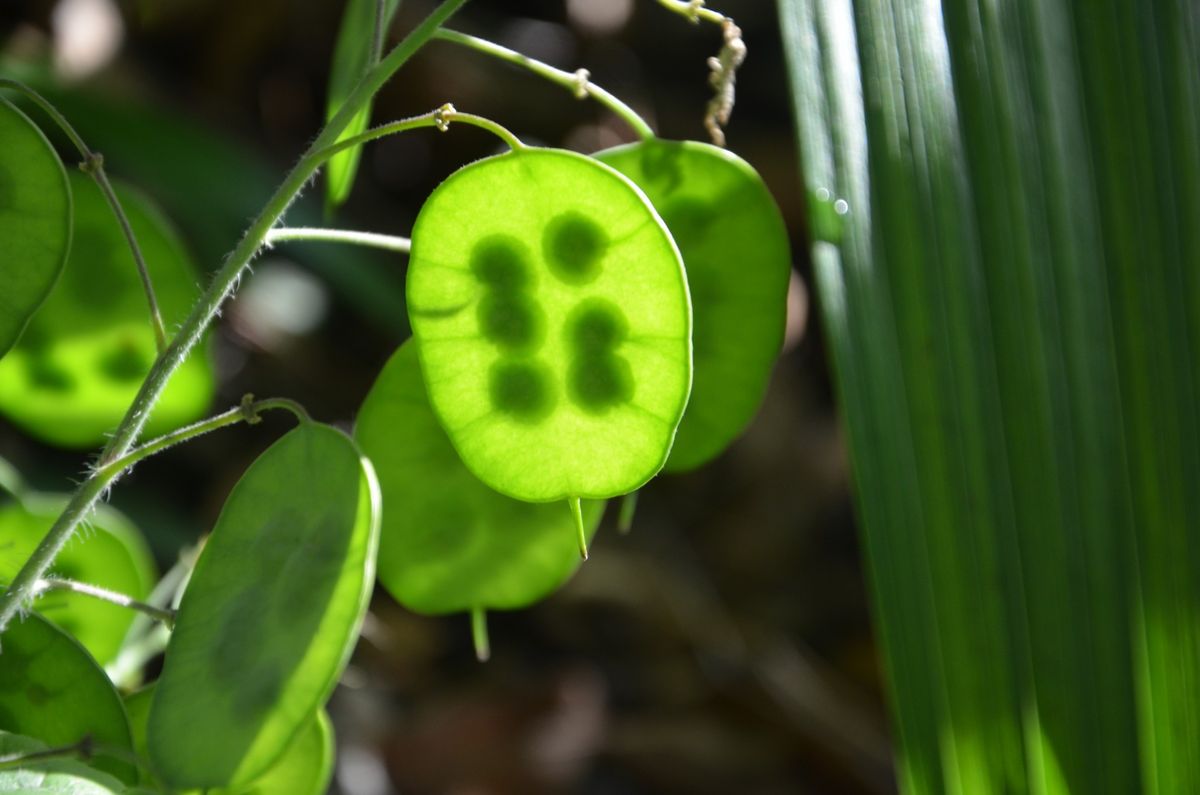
(440,118)
(25,586)
(694,11)
(576,82)
(577,513)
(126,670)
(202,314)
(247,411)
(93,164)
(387,242)
(146,639)
(628,508)
(159,614)
(479,634)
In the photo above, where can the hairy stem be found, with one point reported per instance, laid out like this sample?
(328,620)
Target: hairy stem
(162,615)
(440,118)
(247,411)
(576,82)
(370,239)
(30,579)
(93,164)
(223,284)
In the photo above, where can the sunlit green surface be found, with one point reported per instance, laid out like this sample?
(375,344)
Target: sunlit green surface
(1012,301)
(553,325)
(111,553)
(304,768)
(35,221)
(735,250)
(448,542)
(271,613)
(53,691)
(82,358)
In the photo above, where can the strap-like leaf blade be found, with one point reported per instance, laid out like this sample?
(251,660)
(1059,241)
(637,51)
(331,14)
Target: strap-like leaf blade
(1011,288)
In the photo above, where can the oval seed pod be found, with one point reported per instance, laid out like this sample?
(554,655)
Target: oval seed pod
(735,249)
(304,768)
(111,554)
(53,691)
(271,613)
(35,221)
(448,542)
(85,353)
(553,326)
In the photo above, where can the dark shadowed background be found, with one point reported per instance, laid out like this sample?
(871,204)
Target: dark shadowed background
(724,645)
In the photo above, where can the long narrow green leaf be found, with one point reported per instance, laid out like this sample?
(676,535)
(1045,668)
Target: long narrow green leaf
(1006,200)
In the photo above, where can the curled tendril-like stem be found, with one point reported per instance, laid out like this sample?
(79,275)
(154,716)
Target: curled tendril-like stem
(723,77)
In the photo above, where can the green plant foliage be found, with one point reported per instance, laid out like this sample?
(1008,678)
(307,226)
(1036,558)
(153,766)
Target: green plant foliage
(735,249)
(551,314)
(352,56)
(55,776)
(451,543)
(52,690)
(77,368)
(271,613)
(1013,306)
(111,554)
(304,768)
(35,221)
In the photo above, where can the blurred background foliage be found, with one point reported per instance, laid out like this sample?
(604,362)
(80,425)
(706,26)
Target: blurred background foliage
(724,645)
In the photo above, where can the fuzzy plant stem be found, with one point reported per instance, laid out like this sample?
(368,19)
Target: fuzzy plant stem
(223,284)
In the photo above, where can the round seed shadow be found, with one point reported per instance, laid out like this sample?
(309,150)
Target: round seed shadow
(521,389)
(45,374)
(511,321)
(125,363)
(600,383)
(574,246)
(501,262)
(688,220)
(596,325)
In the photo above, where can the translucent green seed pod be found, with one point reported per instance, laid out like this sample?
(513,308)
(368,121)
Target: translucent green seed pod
(271,612)
(735,248)
(452,544)
(553,325)
(85,353)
